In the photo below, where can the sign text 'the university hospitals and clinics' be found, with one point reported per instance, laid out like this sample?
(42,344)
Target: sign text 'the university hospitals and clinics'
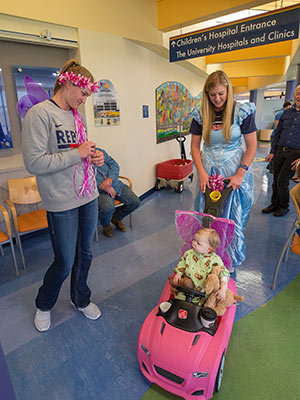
(271,27)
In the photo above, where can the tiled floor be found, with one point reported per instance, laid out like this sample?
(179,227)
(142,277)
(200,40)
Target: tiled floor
(80,359)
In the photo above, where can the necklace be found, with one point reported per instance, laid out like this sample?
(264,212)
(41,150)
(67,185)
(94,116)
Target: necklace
(217,164)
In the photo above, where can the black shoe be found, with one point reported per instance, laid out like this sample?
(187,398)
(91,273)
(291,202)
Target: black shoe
(281,212)
(270,209)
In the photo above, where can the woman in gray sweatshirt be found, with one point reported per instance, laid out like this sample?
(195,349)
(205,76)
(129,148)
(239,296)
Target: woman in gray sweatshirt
(56,150)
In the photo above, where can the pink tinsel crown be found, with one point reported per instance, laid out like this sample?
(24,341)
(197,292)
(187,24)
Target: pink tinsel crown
(78,80)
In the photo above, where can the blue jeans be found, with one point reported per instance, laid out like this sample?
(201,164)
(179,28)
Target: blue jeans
(107,205)
(71,234)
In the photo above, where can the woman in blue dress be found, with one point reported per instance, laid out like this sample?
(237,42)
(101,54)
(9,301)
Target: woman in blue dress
(228,132)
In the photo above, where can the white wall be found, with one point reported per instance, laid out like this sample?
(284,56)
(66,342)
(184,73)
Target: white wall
(266,110)
(271,108)
(135,73)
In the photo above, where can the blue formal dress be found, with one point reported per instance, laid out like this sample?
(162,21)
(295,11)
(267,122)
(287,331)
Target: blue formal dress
(225,158)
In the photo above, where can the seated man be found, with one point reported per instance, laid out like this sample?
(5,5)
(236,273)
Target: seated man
(111,189)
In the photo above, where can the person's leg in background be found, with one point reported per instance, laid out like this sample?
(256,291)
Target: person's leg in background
(270,165)
(131,202)
(278,161)
(106,211)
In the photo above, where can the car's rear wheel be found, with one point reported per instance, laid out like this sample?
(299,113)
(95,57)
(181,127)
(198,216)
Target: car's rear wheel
(220,374)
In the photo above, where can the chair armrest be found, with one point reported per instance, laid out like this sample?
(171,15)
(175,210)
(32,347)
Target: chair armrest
(128,180)
(13,213)
(6,219)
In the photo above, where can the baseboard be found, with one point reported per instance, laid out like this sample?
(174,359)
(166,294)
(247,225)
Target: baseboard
(146,194)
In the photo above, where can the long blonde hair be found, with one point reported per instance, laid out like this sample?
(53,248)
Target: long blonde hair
(73,66)
(208,110)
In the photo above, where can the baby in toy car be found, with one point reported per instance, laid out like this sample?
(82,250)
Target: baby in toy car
(198,262)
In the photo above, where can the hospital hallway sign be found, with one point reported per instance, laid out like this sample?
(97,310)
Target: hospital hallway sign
(272,27)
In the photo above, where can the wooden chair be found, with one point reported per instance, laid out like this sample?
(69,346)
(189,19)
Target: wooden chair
(293,239)
(6,237)
(24,191)
(118,203)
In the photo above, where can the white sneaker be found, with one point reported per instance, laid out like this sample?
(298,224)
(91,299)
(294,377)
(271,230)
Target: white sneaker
(91,311)
(42,320)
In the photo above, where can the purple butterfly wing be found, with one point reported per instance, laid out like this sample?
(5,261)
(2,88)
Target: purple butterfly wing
(225,229)
(25,103)
(184,248)
(35,94)
(34,89)
(189,222)
(224,256)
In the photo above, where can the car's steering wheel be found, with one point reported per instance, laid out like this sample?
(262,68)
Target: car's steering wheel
(190,294)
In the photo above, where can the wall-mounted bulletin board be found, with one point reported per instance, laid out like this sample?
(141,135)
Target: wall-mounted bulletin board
(106,104)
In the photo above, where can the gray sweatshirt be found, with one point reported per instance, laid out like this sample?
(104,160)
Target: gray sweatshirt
(47,133)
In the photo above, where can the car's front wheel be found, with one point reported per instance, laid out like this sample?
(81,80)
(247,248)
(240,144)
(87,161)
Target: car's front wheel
(220,374)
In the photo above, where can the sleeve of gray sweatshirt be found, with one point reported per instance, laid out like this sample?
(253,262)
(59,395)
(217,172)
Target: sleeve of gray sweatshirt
(40,153)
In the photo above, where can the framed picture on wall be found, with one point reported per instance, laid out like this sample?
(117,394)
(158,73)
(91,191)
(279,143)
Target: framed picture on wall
(5,134)
(174,108)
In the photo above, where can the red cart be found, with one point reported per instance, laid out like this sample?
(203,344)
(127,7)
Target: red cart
(173,173)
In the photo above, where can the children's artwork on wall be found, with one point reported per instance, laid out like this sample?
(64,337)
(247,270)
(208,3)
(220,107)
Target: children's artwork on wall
(174,108)
(5,135)
(33,84)
(106,104)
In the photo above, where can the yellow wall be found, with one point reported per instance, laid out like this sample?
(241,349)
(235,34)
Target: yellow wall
(276,66)
(173,14)
(136,19)
(268,50)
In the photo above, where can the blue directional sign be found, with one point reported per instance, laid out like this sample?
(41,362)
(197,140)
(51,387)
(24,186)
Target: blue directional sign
(272,27)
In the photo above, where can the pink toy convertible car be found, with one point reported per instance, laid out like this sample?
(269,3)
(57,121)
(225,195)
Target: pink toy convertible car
(181,348)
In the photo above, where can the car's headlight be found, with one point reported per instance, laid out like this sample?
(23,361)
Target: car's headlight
(145,350)
(200,374)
